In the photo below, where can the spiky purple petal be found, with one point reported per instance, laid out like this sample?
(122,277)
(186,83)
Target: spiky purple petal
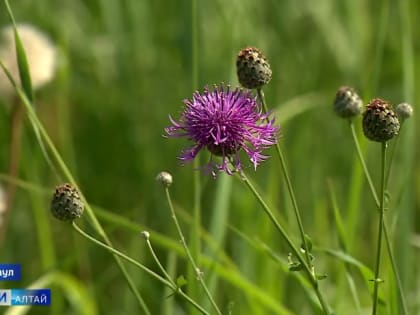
(224,122)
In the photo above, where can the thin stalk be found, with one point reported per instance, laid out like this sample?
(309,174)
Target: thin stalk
(362,162)
(196,226)
(385,226)
(97,226)
(142,267)
(14,161)
(157,261)
(198,272)
(391,159)
(377,280)
(308,270)
(260,94)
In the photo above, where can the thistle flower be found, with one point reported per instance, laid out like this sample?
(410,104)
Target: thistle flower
(40,52)
(347,103)
(380,123)
(224,122)
(252,68)
(66,204)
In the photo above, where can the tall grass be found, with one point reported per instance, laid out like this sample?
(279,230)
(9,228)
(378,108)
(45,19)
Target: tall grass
(125,65)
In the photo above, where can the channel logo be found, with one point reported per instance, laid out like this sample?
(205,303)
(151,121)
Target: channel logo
(10,272)
(25,297)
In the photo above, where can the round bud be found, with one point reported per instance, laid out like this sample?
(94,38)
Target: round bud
(404,111)
(66,204)
(164,178)
(347,103)
(252,68)
(380,123)
(145,235)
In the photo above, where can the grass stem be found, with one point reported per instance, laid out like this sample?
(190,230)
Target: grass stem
(197,270)
(308,270)
(157,261)
(385,226)
(142,267)
(260,94)
(97,226)
(377,280)
(196,226)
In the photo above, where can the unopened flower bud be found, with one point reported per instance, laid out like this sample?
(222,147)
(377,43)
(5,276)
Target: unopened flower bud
(404,111)
(66,204)
(380,123)
(252,68)
(164,178)
(145,235)
(347,103)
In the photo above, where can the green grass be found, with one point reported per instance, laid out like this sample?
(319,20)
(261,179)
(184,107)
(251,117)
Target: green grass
(124,66)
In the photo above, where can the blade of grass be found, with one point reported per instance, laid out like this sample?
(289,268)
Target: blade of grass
(219,223)
(196,224)
(408,149)
(227,271)
(40,131)
(339,225)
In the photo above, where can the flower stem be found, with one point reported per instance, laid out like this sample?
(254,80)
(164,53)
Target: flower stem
(198,272)
(385,226)
(139,265)
(95,223)
(377,280)
(195,242)
(308,270)
(157,261)
(260,94)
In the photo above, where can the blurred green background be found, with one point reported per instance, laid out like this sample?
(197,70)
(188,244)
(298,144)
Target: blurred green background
(124,66)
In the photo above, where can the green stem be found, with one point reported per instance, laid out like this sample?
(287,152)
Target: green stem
(308,270)
(142,267)
(97,226)
(289,186)
(157,261)
(380,229)
(197,270)
(196,226)
(363,163)
(385,226)
(391,159)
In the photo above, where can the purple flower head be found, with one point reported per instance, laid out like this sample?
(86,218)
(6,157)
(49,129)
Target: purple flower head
(224,122)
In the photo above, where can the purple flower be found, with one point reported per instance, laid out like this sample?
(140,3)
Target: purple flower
(224,122)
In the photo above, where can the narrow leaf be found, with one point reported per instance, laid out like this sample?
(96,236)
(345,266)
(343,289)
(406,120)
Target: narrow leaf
(22,61)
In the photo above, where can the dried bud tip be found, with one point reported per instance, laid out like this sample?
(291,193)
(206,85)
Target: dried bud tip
(66,204)
(404,111)
(347,103)
(252,68)
(164,178)
(145,235)
(380,123)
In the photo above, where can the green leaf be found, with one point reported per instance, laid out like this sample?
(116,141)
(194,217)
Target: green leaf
(321,277)
(295,267)
(365,271)
(22,61)
(181,281)
(308,241)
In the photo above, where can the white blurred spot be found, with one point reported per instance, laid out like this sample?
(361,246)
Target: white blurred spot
(40,52)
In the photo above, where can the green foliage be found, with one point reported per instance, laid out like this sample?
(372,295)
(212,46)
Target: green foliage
(124,66)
